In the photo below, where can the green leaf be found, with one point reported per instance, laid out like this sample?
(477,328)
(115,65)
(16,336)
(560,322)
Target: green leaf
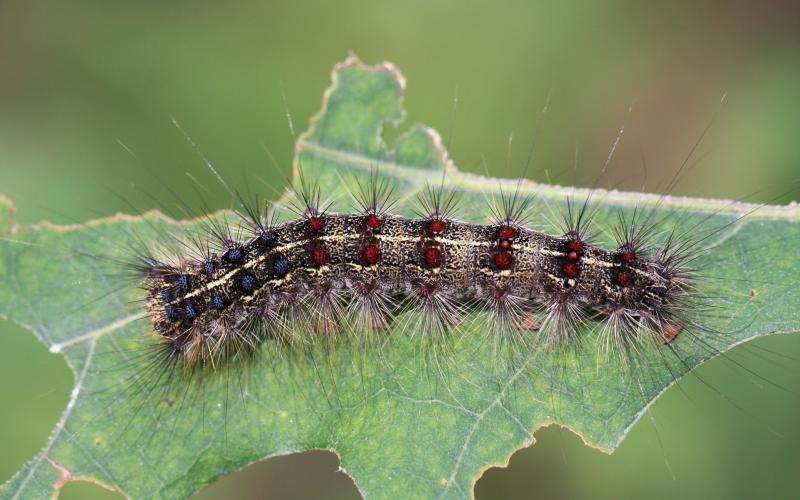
(405,423)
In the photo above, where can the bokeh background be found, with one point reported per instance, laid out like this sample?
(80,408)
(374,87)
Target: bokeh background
(79,79)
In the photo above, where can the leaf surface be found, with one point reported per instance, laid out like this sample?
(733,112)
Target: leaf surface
(405,423)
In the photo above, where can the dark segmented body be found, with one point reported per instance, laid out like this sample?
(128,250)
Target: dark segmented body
(359,254)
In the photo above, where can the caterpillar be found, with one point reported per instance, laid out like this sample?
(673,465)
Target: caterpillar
(282,330)
(341,266)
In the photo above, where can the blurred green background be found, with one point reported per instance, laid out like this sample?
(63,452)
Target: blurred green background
(80,78)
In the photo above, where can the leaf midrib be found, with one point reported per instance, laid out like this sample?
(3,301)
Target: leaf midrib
(475,183)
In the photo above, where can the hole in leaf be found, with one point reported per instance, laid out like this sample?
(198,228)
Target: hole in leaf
(313,474)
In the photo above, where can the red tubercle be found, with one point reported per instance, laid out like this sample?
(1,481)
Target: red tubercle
(627,257)
(436,226)
(504,244)
(364,287)
(503,260)
(571,270)
(374,222)
(315,224)
(498,292)
(575,246)
(507,233)
(573,256)
(623,277)
(371,254)
(427,289)
(433,257)
(320,256)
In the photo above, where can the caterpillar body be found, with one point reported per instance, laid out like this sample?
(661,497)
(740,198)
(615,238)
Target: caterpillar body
(361,262)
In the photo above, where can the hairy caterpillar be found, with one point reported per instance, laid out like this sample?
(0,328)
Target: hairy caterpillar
(334,267)
(194,336)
